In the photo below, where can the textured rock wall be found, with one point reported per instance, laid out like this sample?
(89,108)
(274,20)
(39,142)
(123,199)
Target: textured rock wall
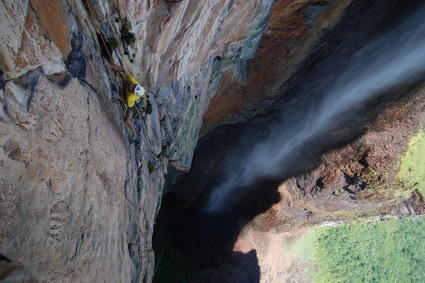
(293,29)
(77,201)
(178,52)
(26,37)
(63,178)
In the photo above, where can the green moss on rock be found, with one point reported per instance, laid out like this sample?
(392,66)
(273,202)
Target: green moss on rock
(412,167)
(151,167)
(112,43)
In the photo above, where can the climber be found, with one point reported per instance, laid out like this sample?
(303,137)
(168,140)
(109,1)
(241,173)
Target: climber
(134,94)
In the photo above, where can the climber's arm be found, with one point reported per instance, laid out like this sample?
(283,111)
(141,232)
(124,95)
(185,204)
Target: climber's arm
(115,67)
(121,99)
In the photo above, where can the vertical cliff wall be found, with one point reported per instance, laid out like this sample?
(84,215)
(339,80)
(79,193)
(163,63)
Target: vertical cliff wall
(77,201)
(180,45)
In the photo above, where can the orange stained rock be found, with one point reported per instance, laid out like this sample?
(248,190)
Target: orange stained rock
(286,41)
(51,15)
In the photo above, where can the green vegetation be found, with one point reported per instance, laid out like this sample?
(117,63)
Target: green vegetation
(112,43)
(304,249)
(126,36)
(379,252)
(148,107)
(373,251)
(189,133)
(412,168)
(188,123)
(386,251)
(151,167)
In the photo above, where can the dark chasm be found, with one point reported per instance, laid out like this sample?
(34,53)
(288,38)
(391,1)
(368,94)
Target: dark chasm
(194,240)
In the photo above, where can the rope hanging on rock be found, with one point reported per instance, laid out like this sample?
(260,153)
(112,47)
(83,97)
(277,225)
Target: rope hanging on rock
(98,30)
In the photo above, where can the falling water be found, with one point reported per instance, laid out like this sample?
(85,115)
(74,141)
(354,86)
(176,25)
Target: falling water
(397,57)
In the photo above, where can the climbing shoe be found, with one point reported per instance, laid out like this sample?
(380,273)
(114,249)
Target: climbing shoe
(132,139)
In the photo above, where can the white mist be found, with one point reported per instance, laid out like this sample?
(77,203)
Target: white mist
(390,60)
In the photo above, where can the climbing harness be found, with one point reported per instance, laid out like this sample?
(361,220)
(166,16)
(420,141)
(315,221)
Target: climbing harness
(139,112)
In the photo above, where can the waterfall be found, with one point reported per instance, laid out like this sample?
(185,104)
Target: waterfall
(394,58)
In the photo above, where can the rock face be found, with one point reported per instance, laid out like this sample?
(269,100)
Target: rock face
(78,202)
(180,53)
(71,187)
(73,190)
(292,30)
(27,31)
(63,170)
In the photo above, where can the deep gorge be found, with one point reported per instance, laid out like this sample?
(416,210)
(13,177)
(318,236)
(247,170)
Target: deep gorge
(208,234)
(269,119)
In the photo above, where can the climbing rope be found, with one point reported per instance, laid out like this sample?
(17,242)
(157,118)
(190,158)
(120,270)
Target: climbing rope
(98,30)
(106,46)
(160,256)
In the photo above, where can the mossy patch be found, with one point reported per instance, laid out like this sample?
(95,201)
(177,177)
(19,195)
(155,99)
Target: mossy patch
(412,167)
(151,167)
(148,107)
(112,43)
(189,134)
